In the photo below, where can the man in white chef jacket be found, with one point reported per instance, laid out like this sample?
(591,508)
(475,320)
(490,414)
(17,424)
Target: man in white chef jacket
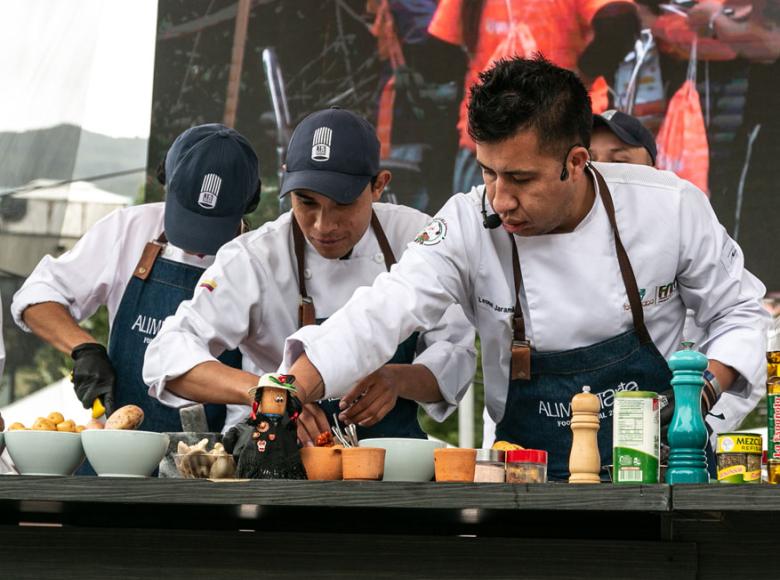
(297,271)
(2,342)
(141,262)
(3,467)
(621,138)
(573,273)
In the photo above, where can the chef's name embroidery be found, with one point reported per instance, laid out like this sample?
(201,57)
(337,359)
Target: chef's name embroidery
(561,411)
(147,325)
(490,304)
(433,233)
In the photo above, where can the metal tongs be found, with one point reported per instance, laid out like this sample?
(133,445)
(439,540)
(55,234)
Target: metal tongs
(347,437)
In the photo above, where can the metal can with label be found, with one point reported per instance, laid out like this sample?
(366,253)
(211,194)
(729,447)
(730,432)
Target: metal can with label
(773,405)
(739,457)
(636,437)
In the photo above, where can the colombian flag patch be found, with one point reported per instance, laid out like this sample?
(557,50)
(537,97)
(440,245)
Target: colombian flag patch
(209,285)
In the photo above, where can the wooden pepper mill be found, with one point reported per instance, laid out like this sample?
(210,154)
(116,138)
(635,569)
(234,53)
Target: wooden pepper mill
(584,460)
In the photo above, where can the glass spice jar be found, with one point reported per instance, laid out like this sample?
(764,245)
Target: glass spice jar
(490,466)
(526,466)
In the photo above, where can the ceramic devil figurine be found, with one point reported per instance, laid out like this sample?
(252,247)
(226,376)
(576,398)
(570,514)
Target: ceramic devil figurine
(266,444)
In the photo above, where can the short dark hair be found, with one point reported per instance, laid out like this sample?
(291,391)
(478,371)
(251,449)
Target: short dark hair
(518,94)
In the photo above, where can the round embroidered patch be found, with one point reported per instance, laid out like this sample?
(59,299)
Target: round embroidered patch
(433,233)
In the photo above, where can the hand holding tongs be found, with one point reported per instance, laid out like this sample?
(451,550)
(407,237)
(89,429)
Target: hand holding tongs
(348,436)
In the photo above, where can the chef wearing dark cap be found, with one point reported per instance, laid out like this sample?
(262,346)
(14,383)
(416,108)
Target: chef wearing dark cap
(141,262)
(621,138)
(297,271)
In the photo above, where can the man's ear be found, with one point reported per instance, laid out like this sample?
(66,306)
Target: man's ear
(382,180)
(578,160)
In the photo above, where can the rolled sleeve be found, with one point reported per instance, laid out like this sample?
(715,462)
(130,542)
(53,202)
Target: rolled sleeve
(452,358)
(81,279)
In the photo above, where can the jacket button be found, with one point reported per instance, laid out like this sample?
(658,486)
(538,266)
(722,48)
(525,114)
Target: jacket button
(307,273)
(379,258)
(142,270)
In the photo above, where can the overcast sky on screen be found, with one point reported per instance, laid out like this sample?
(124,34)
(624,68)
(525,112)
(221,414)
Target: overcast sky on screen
(86,62)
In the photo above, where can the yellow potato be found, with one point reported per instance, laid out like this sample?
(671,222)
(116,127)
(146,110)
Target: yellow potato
(127,417)
(506,446)
(56,417)
(94,424)
(17,427)
(42,424)
(80,428)
(68,426)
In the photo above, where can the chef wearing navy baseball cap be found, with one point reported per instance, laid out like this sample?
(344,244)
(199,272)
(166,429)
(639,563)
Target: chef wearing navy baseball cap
(297,271)
(141,262)
(620,138)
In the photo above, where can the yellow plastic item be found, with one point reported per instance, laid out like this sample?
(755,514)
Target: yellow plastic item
(506,446)
(98,410)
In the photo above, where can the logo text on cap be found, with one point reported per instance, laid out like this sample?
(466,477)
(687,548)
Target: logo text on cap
(209,191)
(320,144)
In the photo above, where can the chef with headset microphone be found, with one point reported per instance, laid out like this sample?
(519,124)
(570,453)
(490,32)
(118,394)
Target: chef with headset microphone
(586,282)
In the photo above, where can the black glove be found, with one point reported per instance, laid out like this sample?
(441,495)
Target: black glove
(93,375)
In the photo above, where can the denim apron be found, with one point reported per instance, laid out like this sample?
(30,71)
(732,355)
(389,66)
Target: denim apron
(154,292)
(538,408)
(401,421)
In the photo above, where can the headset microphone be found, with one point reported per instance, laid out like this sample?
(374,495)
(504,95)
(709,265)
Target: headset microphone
(492,221)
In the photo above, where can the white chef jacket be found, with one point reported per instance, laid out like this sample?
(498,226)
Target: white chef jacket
(254,302)
(98,268)
(2,342)
(573,294)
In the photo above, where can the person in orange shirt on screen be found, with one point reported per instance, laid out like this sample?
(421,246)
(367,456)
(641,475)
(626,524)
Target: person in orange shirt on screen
(590,36)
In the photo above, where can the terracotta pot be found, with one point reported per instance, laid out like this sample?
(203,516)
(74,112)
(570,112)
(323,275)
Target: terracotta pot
(453,464)
(322,463)
(366,463)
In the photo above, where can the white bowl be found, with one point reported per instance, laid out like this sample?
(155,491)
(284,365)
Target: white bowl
(406,459)
(118,453)
(44,452)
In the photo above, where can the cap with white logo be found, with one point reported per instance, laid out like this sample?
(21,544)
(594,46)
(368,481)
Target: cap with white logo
(211,176)
(333,152)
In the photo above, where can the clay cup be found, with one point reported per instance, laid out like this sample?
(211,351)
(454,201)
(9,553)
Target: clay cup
(453,464)
(322,463)
(363,463)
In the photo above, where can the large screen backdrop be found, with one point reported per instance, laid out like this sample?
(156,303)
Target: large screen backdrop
(209,67)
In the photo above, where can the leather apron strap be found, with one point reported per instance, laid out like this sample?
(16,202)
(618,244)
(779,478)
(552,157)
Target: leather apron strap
(148,256)
(626,272)
(306,312)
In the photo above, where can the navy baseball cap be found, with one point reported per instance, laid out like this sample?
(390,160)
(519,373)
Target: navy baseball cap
(333,152)
(211,176)
(628,129)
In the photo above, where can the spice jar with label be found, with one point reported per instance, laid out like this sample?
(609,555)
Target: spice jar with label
(739,457)
(490,466)
(526,466)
